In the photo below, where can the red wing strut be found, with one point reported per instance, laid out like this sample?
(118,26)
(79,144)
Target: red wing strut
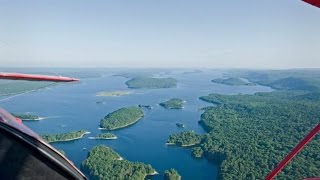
(35,77)
(293,153)
(313,2)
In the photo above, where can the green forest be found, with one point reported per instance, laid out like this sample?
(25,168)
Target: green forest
(171,174)
(173,103)
(232,81)
(25,116)
(185,138)
(249,134)
(104,163)
(121,118)
(106,136)
(151,83)
(69,136)
(10,87)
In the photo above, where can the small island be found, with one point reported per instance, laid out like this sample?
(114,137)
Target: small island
(145,106)
(105,136)
(174,103)
(27,117)
(69,136)
(104,163)
(180,125)
(232,82)
(121,118)
(171,174)
(151,83)
(185,138)
(114,93)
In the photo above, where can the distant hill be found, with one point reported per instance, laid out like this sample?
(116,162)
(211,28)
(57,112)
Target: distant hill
(232,81)
(151,83)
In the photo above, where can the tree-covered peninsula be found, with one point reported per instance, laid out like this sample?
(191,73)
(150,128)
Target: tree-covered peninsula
(171,174)
(232,81)
(104,163)
(69,136)
(174,103)
(26,117)
(121,118)
(151,83)
(185,138)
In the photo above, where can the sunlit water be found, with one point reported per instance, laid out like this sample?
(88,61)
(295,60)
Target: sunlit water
(72,106)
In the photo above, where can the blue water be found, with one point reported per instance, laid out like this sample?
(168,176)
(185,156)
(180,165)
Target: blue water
(72,106)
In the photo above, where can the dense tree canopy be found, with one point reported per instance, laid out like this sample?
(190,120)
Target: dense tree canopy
(26,116)
(173,103)
(249,134)
(232,81)
(64,136)
(121,118)
(147,82)
(171,174)
(104,163)
(185,138)
(106,136)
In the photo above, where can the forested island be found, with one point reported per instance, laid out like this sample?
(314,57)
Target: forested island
(232,81)
(104,136)
(114,93)
(26,117)
(121,118)
(180,125)
(185,138)
(171,174)
(69,136)
(104,163)
(151,83)
(174,103)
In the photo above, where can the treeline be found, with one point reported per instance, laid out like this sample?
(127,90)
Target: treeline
(64,136)
(10,87)
(106,136)
(25,116)
(104,163)
(248,135)
(121,118)
(171,174)
(173,103)
(185,138)
(148,82)
(232,82)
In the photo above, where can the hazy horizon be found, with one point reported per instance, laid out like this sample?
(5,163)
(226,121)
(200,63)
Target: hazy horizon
(164,34)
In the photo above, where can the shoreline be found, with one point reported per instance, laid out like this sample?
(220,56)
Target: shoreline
(111,138)
(66,140)
(120,127)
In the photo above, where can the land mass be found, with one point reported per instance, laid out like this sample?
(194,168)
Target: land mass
(26,117)
(171,174)
(232,81)
(114,93)
(174,103)
(104,163)
(185,138)
(69,136)
(13,87)
(121,118)
(104,136)
(151,83)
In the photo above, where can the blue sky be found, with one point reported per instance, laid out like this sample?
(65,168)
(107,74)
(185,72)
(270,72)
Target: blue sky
(164,33)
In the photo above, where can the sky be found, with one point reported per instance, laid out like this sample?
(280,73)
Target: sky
(267,34)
